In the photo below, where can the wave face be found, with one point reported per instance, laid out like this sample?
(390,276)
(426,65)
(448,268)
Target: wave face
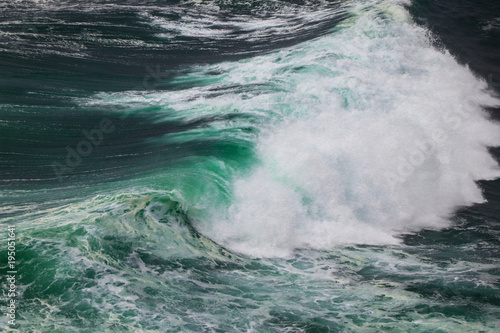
(364,133)
(273,166)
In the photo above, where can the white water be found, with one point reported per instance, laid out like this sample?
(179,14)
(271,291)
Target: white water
(388,135)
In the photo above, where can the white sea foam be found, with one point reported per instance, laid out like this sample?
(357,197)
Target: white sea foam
(287,20)
(386,135)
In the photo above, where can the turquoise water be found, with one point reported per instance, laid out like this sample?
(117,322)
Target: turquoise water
(245,167)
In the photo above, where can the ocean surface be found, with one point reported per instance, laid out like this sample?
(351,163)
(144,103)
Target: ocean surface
(250,166)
